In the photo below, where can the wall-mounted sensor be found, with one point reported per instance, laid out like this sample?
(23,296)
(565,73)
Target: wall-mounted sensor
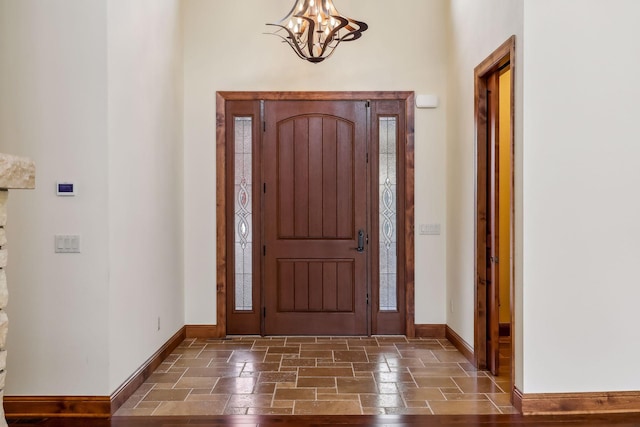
(427,101)
(65,189)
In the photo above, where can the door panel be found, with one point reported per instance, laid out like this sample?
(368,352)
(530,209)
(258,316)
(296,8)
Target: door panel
(315,201)
(313,286)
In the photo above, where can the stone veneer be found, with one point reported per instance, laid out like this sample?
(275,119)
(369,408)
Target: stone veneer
(15,173)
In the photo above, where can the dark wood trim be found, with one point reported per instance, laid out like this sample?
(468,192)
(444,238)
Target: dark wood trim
(57,406)
(221,165)
(409,221)
(460,344)
(314,96)
(581,403)
(516,398)
(512,226)
(221,216)
(430,331)
(501,56)
(204,331)
(136,379)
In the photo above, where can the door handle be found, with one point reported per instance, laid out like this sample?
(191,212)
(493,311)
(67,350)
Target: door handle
(360,247)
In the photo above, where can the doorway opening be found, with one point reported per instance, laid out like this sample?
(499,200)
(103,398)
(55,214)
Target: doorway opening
(494,287)
(315,213)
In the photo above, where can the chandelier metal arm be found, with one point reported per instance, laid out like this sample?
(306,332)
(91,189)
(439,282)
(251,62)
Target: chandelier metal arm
(310,31)
(355,34)
(288,40)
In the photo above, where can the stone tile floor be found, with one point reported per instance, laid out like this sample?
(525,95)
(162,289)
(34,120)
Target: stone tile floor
(318,376)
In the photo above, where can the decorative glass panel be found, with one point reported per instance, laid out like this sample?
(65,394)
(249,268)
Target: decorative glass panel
(243,219)
(387,191)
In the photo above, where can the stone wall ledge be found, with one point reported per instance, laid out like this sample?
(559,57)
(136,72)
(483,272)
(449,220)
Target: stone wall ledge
(17,172)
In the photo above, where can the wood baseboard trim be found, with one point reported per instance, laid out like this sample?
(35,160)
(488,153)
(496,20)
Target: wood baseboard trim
(516,398)
(462,346)
(57,406)
(205,331)
(89,406)
(136,379)
(430,331)
(580,403)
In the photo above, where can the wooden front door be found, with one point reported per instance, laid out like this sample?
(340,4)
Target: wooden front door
(314,162)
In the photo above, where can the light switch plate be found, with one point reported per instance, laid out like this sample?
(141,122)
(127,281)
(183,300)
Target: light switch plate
(429,229)
(67,244)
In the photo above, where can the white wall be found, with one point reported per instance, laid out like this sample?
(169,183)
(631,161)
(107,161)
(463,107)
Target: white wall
(581,207)
(477,29)
(54,110)
(92,91)
(226,50)
(145,180)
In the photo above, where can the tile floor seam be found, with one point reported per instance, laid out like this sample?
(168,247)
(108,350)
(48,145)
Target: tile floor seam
(493,403)
(145,395)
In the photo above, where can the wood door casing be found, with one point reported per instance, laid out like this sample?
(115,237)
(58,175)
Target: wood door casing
(486,105)
(314,162)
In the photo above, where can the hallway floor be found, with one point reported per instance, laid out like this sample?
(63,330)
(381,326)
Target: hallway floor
(318,376)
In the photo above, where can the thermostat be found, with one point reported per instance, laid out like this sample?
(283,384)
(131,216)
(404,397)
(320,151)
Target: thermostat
(65,189)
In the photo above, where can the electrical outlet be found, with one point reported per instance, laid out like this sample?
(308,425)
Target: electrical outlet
(158,322)
(451,306)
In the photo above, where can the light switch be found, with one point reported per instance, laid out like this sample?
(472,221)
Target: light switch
(66,244)
(429,229)
(75,243)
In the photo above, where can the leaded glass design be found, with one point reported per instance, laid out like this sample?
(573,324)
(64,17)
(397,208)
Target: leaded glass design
(243,218)
(387,191)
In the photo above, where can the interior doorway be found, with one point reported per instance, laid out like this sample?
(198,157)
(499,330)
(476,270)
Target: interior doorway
(494,116)
(315,213)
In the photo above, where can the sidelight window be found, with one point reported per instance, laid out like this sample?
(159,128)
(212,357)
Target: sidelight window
(243,213)
(387,193)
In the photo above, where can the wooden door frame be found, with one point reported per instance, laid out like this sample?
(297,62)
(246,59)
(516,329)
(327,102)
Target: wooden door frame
(221,183)
(505,53)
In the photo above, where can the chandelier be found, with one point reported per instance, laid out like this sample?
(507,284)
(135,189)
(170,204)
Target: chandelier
(314,28)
